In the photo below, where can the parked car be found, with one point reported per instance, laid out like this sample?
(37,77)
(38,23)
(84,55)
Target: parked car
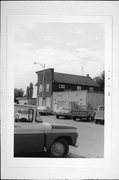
(31,134)
(44,110)
(63,112)
(99,116)
(82,112)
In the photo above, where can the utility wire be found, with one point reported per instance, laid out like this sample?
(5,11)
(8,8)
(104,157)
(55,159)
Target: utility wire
(76,60)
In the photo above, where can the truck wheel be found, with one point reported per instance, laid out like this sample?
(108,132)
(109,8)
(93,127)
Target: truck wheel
(59,148)
(96,121)
(88,118)
(57,117)
(74,118)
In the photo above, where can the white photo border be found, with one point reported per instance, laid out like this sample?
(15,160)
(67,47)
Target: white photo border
(8,160)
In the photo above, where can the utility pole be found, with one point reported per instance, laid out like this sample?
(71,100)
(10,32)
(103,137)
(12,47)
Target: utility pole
(43,80)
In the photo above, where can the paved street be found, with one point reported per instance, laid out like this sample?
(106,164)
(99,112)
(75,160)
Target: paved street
(91,137)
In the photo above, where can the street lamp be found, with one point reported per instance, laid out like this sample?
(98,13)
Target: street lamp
(43,82)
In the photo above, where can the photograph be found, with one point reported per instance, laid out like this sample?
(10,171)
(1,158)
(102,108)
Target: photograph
(59,89)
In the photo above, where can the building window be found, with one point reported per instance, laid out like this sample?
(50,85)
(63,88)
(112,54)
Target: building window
(40,88)
(78,88)
(47,87)
(62,86)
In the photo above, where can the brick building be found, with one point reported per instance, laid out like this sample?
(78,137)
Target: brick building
(50,82)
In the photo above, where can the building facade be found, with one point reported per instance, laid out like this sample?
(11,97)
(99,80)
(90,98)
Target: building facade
(50,82)
(64,99)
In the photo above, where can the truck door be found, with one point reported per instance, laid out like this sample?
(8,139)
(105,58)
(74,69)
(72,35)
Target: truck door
(28,134)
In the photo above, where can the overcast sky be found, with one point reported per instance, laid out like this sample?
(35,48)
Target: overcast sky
(74,48)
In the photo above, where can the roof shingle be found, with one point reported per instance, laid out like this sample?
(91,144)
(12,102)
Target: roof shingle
(74,79)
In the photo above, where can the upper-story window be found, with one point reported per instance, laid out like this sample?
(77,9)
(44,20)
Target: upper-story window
(40,88)
(78,88)
(47,87)
(62,86)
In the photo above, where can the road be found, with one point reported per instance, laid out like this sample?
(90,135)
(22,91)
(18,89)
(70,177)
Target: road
(90,139)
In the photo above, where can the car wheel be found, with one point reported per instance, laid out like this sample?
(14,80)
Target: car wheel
(74,118)
(96,121)
(59,148)
(88,118)
(57,117)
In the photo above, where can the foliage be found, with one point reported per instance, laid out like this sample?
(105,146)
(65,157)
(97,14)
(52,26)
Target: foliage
(18,93)
(29,91)
(101,81)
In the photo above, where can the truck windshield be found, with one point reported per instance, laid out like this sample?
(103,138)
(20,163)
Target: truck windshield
(24,115)
(38,117)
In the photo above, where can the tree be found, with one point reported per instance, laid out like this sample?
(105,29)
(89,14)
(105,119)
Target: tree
(101,81)
(18,93)
(29,91)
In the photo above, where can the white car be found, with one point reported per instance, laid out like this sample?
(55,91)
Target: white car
(63,112)
(44,110)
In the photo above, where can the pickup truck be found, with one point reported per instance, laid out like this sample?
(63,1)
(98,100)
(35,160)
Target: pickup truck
(99,115)
(82,112)
(31,134)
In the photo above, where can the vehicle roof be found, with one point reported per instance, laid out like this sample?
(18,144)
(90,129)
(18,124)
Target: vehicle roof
(24,105)
(101,106)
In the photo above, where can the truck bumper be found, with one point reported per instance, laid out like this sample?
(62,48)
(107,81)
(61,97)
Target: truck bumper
(76,144)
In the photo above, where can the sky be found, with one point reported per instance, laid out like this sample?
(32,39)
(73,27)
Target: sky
(73,48)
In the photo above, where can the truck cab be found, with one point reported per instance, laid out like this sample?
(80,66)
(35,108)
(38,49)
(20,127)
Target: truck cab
(32,134)
(99,116)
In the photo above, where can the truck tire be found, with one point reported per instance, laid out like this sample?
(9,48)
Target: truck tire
(96,121)
(59,148)
(74,118)
(89,118)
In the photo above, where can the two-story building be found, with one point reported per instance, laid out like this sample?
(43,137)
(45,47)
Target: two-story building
(50,82)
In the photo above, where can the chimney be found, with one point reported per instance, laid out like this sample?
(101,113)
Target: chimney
(87,75)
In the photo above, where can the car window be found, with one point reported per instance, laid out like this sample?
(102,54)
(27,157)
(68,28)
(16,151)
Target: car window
(38,117)
(24,115)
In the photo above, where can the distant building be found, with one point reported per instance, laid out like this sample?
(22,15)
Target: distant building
(25,100)
(50,82)
(64,99)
